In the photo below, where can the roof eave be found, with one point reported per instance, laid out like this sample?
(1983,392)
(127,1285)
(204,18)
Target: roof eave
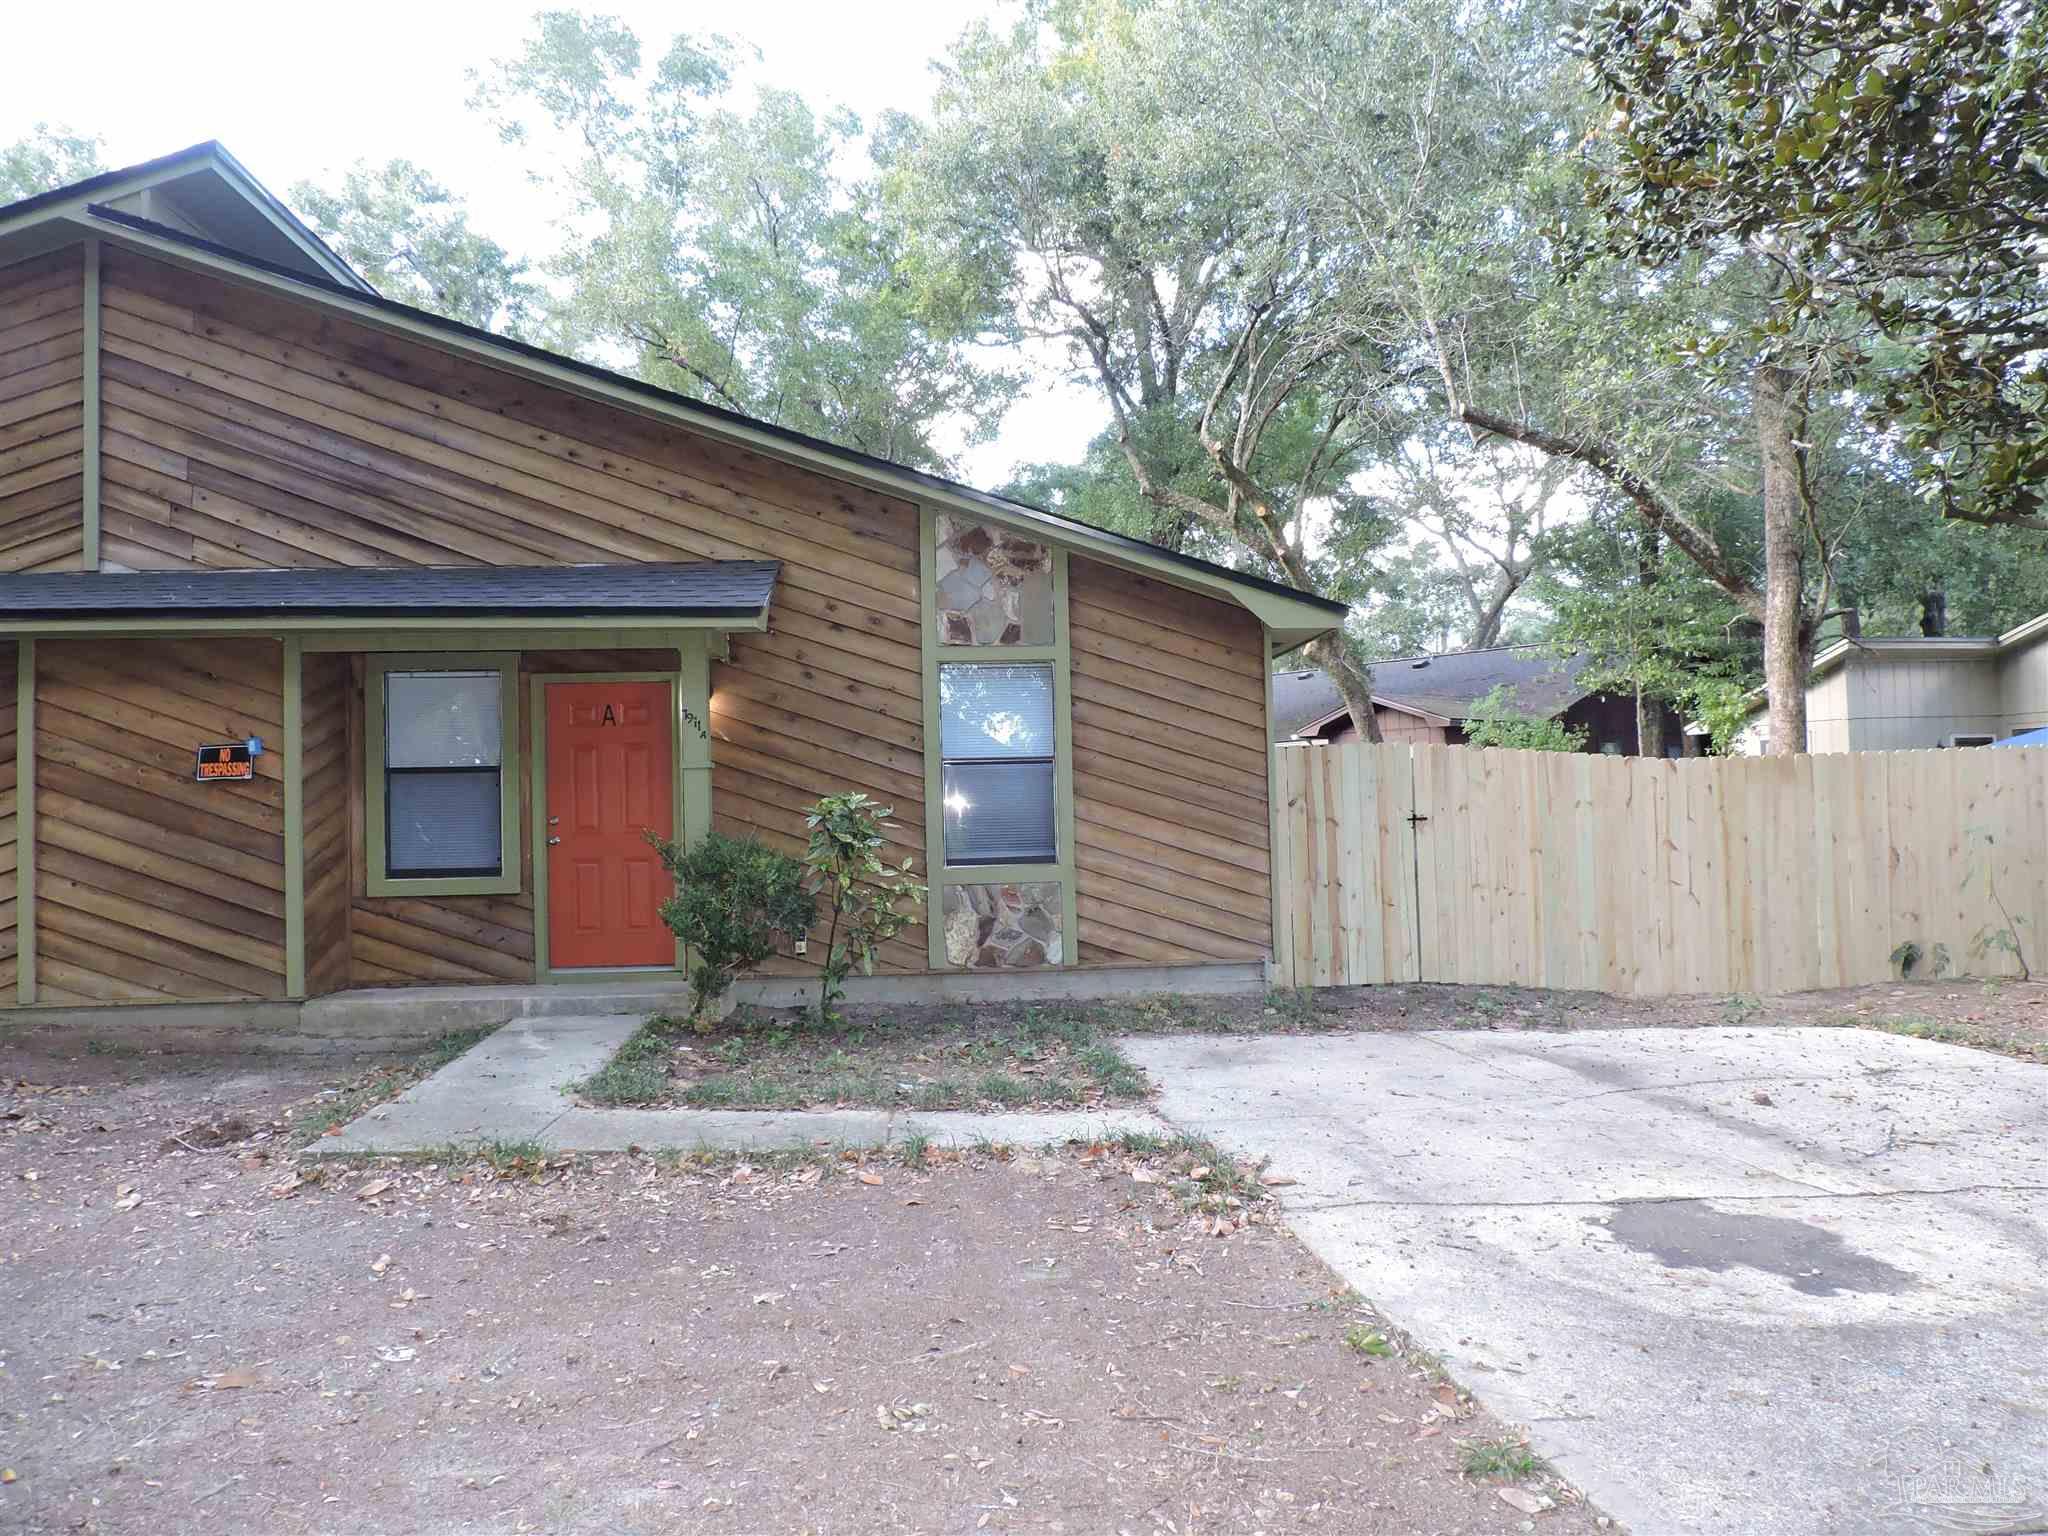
(1291,618)
(71,209)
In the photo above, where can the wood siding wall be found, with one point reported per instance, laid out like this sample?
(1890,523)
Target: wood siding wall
(151,887)
(324,716)
(10,831)
(42,413)
(1169,773)
(245,431)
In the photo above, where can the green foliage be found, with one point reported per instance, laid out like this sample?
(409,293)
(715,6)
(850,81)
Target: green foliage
(411,238)
(1361,1340)
(1890,161)
(1509,1461)
(1495,722)
(50,157)
(638,1074)
(735,901)
(737,251)
(870,901)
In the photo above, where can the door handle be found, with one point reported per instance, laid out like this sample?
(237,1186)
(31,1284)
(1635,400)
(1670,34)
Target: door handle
(552,841)
(554,821)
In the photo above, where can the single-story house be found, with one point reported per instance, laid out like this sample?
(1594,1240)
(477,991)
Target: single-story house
(355,647)
(1892,692)
(1429,699)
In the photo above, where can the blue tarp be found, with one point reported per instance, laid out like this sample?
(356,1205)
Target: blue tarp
(2026,739)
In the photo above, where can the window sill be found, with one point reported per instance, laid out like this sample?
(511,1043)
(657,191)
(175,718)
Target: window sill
(451,885)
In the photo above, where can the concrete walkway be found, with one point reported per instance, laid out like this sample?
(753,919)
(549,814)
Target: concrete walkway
(1738,1282)
(513,1088)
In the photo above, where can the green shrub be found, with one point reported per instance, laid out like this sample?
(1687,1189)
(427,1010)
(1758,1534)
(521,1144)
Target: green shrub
(870,901)
(735,901)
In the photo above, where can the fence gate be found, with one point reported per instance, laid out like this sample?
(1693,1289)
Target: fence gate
(1651,876)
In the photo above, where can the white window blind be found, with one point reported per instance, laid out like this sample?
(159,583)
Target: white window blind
(443,781)
(996,742)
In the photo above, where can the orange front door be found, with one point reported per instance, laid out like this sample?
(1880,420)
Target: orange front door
(611,778)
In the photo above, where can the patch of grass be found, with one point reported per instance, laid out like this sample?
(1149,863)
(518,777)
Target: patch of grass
(1001,1088)
(1113,1071)
(638,1074)
(1362,1340)
(119,1050)
(1740,1009)
(1501,1461)
(914,1149)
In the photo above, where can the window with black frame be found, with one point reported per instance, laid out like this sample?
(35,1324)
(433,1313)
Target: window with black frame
(443,774)
(997,750)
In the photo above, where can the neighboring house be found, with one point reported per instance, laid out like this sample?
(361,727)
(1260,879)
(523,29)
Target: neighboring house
(1878,693)
(356,647)
(1429,698)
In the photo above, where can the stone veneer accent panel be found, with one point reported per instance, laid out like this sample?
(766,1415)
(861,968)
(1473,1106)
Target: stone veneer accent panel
(994,587)
(1003,927)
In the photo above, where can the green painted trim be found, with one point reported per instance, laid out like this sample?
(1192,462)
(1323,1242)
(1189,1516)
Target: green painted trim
(294,822)
(378,634)
(506,664)
(25,821)
(653,637)
(537,778)
(1060,654)
(1272,818)
(1063,762)
(90,486)
(1289,617)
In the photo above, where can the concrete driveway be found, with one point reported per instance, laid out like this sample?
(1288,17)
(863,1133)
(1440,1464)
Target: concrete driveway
(1791,1282)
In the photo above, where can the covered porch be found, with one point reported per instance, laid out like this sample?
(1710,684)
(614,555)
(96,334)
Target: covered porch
(272,786)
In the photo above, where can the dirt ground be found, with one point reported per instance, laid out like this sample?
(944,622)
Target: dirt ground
(201,1337)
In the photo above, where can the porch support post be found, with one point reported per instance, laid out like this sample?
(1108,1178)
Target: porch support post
(693,727)
(89,489)
(1273,973)
(294,822)
(693,750)
(25,820)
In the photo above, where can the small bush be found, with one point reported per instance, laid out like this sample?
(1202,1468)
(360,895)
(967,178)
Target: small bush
(870,901)
(735,901)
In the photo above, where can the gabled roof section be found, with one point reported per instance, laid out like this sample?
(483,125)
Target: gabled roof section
(1293,617)
(1443,689)
(203,192)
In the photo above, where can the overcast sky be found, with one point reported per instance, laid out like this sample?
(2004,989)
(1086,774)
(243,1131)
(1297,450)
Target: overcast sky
(302,91)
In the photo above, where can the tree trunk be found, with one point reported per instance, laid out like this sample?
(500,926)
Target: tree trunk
(1788,640)
(1353,680)
(1649,711)
(1649,725)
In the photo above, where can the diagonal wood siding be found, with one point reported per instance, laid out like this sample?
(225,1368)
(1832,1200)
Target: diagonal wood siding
(243,430)
(323,713)
(151,887)
(42,413)
(10,829)
(1169,772)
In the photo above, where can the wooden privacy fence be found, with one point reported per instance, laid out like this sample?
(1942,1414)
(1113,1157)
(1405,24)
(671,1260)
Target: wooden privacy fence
(1649,876)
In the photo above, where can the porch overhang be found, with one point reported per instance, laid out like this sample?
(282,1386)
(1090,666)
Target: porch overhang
(391,607)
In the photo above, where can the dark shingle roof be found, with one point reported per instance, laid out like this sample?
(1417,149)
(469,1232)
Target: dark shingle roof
(1447,686)
(698,589)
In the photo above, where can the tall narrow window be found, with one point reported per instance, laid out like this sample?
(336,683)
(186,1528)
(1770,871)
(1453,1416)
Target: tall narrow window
(444,768)
(996,742)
